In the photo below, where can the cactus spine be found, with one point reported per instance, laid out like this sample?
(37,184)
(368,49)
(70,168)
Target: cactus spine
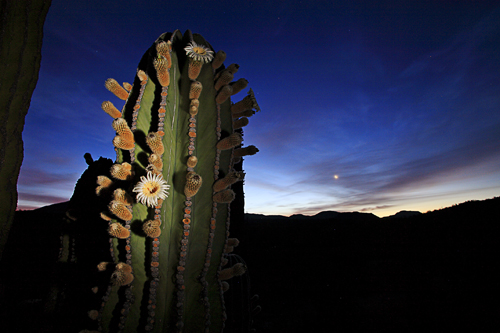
(175,140)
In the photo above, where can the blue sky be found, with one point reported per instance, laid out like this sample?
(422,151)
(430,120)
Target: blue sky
(398,99)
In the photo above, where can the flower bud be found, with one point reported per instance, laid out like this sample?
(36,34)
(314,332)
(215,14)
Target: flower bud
(116,89)
(110,109)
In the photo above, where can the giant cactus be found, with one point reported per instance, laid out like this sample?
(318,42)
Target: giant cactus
(21,34)
(178,140)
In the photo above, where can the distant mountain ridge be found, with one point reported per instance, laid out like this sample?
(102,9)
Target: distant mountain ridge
(355,216)
(404,214)
(411,272)
(361,216)
(326,215)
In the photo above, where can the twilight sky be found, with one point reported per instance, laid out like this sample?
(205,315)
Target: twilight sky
(375,106)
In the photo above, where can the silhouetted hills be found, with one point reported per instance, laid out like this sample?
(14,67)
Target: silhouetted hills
(327,215)
(354,272)
(332,272)
(331,215)
(403,214)
(57,208)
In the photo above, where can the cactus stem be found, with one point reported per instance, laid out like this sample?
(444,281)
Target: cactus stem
(190,134)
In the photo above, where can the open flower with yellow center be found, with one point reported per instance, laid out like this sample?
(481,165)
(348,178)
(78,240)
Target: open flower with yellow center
(150,189)
(199,52)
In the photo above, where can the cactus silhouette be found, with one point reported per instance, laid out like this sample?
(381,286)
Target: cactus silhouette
(169,192)
(21,34)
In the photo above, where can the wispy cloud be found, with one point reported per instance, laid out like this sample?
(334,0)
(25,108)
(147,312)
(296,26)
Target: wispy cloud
(359,96)
(45,199)
(31,177)
(441,125)
(374,178)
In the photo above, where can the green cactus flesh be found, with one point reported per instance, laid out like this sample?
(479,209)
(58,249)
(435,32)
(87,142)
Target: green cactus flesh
(176,284)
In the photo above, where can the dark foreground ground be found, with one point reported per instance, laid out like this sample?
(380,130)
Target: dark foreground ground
(333,272)
(358,273)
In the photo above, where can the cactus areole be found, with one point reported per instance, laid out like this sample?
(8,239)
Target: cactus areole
(168,224)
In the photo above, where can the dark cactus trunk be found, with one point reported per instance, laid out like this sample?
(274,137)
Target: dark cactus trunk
(21,33)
